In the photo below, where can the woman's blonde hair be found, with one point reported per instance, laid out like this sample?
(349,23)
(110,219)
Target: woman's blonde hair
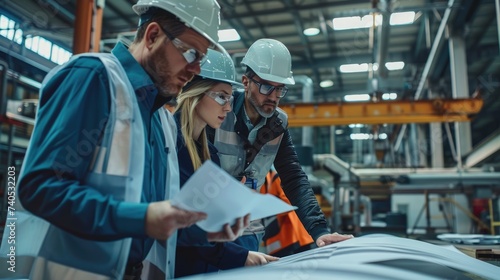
(186,103)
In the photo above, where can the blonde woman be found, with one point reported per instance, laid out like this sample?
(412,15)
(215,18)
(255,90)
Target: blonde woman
(206,100)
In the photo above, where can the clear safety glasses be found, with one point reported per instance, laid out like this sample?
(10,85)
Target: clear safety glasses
(267,89)
(190,54)
(220,97)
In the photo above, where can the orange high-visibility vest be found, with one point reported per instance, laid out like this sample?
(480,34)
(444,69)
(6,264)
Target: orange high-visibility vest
(285,233)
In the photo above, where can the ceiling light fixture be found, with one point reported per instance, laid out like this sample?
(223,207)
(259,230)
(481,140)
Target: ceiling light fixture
(389,96)
(395,65)
(353,68)
(402,18)
(355,22)
(356,97)
(326,83)
(311,31)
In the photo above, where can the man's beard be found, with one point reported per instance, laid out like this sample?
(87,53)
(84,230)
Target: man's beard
(157,66)
(259,109)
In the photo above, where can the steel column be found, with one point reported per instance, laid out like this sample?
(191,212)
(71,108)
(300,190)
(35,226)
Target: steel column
(413,141)
(88,26)
(460,89)
(436,138)
(307,97)
(333,136)
(97,25)
(436,142)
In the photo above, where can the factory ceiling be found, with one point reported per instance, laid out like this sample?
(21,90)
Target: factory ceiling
(422,43)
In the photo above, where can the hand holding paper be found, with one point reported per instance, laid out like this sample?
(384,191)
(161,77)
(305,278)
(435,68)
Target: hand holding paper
(213,191)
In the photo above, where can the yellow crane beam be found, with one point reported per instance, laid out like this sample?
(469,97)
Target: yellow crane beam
(382,112)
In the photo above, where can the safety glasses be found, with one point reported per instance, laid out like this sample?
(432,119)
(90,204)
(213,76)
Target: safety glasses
(267,89)
(220,97)
(190,54)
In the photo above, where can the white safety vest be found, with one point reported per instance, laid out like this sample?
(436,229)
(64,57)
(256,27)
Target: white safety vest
(232,153)
(44,251)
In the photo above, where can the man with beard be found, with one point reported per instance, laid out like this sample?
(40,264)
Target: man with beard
(255,136)
(102,162)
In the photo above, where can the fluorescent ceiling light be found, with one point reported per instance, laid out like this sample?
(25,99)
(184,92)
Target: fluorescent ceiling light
(402,18)
(365,67)
(357,97)
(344,23)
(361,136)
(353,68)
(228,35)
(326,83)
(389,96)
(311,31)
(382,136)
(356,125)
(396,65)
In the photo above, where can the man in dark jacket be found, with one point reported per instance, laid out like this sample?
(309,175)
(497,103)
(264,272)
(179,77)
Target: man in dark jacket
(255,136)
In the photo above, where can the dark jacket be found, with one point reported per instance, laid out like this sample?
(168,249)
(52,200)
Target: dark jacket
(202,258)
(294,181)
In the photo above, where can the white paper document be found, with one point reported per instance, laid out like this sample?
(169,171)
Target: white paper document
(213,191)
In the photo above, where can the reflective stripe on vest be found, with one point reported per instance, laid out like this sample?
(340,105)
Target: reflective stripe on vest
(47,252)
(233,155)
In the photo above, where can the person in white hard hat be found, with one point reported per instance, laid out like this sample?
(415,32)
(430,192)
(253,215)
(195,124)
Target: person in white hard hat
(254,136)
(206,101)
(102,164)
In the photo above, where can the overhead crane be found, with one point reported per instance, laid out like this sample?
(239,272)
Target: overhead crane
(382,112)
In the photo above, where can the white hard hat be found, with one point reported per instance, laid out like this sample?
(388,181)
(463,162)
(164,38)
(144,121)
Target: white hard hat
(200,15)
(219,66)
(270,60)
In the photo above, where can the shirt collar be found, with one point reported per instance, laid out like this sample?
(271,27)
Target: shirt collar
(141,82)
(135,73)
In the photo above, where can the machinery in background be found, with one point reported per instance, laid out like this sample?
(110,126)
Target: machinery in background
(422,201)
(18,107)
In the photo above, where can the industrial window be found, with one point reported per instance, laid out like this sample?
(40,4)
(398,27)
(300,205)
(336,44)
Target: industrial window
(37,44)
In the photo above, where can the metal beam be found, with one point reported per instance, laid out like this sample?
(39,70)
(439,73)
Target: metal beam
(328,5)
(423,38)
(436,48)
(387,112)
(306,7)
(131,20)
(431,60)
(328,40)
(483,150)
(383,32)
(460,179)
(300,28)
(26,61)
(336,61)
(69,17)
(460,89)
(257,21)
